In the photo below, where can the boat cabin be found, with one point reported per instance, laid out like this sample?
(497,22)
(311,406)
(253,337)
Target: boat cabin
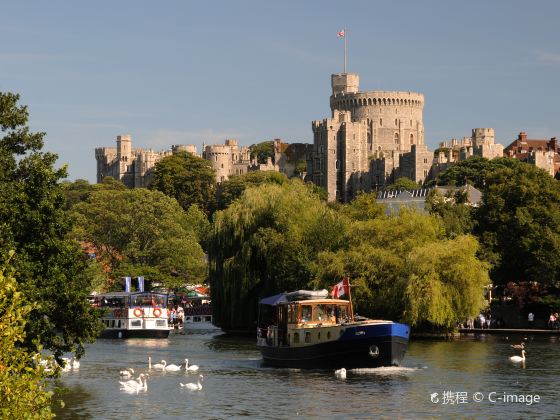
(283,322)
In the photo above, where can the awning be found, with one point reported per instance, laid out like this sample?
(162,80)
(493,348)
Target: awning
(274,300)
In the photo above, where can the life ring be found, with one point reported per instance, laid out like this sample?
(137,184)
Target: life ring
(157,312)
(138,312)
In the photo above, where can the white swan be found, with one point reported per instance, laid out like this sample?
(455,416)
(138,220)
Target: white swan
(191,368)
(126,373)
(160,366)
(172,367)
(194,387)
(340,373)
(135,385)
(517,359)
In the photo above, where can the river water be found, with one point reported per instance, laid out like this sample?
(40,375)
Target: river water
(437,379)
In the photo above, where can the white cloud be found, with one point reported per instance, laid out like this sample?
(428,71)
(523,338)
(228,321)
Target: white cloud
(548,57)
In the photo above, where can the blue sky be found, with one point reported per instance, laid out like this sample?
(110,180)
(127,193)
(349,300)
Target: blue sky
(174,72)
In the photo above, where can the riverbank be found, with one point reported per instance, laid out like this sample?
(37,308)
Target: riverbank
(523,331)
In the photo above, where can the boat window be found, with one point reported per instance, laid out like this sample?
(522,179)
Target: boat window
(308,337)
(305,313)
(292,314)
(328,335)
(136,323)
(319,336)
(296,338)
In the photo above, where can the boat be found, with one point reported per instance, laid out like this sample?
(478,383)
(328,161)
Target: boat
(133,315)
(308,330)
(198,314)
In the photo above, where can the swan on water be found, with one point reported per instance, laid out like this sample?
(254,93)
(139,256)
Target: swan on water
(194,387)
(126,373)
(160,366)
(172,367)
(135,385)
(518,346)
(340,373)
(517,359)
(191,368)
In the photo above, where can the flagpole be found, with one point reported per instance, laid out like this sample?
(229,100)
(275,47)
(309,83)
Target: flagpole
(349,296)
(345,49)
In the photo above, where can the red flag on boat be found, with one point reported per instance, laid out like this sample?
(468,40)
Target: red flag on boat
(341,289)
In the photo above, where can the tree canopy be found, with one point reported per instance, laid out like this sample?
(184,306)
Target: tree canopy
(230,190)
(51,268)
(262,151)
(189,179)
(519,225)
(143,233)
(403,183)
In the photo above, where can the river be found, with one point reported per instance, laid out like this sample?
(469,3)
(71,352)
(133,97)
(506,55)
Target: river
(437,379)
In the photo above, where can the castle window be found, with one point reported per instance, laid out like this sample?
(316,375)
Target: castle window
(396,138)
(425,173)
(425,160)
(412,139)
(380,122)
(222,165)
(396,122)
(411,123)
(396,110)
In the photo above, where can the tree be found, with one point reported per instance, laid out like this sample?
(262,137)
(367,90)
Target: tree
(79,190)
(143,233)
(453,210)
(403,184)
(50,266)
(264,243)
(262,151)
(401,268)
(23,392)
(187,178)
(519,225)
(230,190)
(474,171)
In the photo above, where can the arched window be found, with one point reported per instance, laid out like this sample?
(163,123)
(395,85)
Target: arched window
(412,139)
(380,122)
(396,138)
(396,122)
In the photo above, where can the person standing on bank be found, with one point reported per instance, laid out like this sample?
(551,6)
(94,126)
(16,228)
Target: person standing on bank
(531,319)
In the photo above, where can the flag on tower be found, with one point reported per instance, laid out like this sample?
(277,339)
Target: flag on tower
(341,289)
(341,33)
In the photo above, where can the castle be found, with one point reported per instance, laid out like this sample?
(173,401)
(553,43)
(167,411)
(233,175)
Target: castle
(133,166)
(371,139)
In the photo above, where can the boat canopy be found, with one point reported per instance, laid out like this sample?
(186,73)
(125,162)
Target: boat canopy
(293,296)
(274,300)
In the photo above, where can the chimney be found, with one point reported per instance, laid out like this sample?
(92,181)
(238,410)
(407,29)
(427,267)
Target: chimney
(552,144)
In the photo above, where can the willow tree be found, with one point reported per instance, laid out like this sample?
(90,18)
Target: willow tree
(403,268)
(266,242)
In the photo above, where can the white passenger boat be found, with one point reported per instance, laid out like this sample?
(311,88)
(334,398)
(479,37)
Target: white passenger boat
(198,314)
(133,315)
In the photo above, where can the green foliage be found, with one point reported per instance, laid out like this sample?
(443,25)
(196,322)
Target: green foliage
(301,166)
(23,393)
(230,190)
(519,225)
(474,171)
(264,243)
(79,190)
(402,269)
(189,179)
(262,151)
(403,184)
(363,207)
(50,267)
(142,232)
(453,211)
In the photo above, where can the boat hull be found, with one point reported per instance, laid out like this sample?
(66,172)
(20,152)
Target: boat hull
(140,333)
(360,346)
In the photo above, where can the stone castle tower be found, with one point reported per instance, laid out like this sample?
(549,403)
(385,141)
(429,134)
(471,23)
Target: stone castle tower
(364,126)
